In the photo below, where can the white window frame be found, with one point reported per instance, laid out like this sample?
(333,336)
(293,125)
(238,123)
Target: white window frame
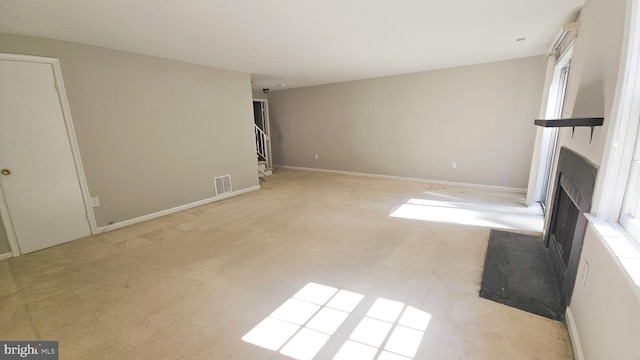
(630,210)
(616,183)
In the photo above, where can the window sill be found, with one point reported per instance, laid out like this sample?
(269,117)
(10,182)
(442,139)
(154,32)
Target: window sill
(623,247)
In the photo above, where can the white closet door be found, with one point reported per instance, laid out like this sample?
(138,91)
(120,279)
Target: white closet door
(39,178)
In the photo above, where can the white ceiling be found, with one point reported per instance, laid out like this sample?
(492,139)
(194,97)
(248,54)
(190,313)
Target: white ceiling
(298,42)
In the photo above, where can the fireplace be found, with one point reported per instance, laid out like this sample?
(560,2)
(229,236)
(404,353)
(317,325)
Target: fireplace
(573,191)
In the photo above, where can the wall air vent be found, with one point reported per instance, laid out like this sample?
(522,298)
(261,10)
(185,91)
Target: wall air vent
(223,184)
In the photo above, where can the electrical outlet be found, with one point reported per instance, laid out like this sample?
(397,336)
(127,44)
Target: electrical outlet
(316,156)
(454,165)
(95,201)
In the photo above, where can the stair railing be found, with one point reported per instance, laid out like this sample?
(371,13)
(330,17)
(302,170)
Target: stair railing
(261,142)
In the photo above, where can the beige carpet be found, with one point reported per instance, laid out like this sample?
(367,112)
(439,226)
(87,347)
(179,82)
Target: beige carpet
(312,265)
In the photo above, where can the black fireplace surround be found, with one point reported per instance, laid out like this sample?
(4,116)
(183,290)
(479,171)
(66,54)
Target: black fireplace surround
(573,192)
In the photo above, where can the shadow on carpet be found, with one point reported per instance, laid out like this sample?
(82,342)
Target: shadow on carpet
(518,273)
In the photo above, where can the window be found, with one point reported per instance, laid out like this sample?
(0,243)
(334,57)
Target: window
(616,201)
(619,198)
(630,212)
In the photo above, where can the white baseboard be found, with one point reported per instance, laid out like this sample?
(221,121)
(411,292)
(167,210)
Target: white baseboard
(5,256)
(573,335)
(389,177)
(176,209)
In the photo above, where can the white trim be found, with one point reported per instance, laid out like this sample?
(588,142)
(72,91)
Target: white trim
(389,177)
(621,138)
(8,226)
(5,256)
(573,334)
(73,142)
(75,149)
(176,209)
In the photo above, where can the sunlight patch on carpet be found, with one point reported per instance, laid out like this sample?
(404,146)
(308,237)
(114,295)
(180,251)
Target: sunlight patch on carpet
(483,215)
(306,322)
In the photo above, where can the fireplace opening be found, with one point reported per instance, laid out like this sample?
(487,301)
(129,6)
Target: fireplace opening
(574,184)
(564,226)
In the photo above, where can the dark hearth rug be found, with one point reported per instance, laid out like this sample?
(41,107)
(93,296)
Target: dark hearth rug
(518,273)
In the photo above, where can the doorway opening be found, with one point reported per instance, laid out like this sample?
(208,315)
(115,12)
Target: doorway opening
(263,136)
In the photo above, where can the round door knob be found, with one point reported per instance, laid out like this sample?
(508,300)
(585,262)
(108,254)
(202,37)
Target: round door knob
(6,172)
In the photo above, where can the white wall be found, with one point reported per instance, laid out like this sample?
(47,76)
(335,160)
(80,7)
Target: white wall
(153,133)
(416,125)
(258,94)
(606,309)
(594,73)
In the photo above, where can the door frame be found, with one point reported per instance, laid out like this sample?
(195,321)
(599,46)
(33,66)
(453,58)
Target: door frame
(267,130)
(555,110)
(73,142)
(547,108)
